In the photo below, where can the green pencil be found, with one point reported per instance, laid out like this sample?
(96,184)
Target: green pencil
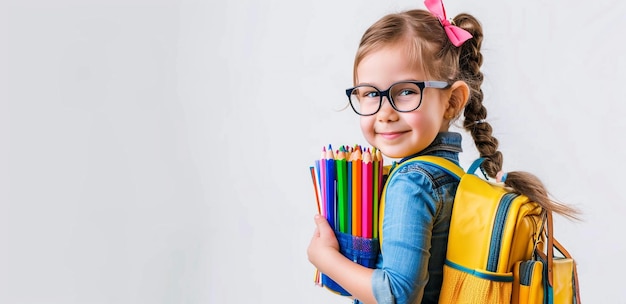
(342,186)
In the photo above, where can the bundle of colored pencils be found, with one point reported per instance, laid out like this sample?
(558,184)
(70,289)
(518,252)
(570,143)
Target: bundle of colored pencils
(348,183)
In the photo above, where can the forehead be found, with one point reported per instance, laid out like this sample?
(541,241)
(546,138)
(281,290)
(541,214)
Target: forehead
(388,64)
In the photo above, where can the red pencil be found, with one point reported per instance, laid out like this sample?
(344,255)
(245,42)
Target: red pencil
(316,187)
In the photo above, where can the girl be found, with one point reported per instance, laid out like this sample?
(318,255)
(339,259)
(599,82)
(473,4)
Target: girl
(414,72)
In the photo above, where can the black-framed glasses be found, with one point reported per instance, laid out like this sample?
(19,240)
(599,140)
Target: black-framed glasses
(404,96)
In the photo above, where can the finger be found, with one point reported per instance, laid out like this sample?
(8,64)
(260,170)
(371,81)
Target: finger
(322,224)
(319,220)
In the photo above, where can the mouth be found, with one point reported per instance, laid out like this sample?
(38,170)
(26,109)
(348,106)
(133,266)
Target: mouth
(392,134)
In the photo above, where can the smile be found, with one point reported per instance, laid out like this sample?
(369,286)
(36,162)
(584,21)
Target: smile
(391,135)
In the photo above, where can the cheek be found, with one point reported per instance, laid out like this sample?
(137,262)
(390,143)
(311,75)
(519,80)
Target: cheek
(367,126)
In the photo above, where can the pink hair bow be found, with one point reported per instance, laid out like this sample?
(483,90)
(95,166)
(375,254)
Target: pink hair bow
(456,34)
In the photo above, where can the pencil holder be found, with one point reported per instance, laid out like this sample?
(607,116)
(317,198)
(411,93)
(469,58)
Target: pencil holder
(358,249)
(348,183)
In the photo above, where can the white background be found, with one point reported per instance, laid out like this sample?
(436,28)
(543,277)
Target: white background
(157,151)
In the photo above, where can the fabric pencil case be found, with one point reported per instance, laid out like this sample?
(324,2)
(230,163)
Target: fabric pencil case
(361,250)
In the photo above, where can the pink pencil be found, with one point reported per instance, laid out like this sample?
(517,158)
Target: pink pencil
(323,181)
(356,191)
(366,197)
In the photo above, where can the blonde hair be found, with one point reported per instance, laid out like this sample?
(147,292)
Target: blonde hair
(429,49)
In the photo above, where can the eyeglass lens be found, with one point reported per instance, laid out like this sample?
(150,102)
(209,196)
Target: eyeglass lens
(404,97)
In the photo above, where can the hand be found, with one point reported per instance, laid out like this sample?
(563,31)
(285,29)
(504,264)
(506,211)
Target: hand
(323,241)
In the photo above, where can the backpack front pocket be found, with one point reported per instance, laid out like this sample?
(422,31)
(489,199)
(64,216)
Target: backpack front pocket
(466,286)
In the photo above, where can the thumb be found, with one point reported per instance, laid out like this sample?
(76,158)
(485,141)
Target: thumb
(322,225)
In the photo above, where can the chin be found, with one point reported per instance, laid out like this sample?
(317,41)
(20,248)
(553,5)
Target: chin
(392,153)
(397,152)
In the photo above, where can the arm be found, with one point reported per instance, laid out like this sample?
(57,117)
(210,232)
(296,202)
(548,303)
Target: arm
(407,228)
(409,211)
(323,252)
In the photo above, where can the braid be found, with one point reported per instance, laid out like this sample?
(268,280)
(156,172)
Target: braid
(470,60)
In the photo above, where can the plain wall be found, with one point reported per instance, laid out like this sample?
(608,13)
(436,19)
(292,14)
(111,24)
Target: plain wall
(158,151)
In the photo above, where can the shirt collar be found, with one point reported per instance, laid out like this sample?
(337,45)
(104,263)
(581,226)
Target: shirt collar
(444,141)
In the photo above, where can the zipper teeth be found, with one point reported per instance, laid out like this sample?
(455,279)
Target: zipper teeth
(498,229)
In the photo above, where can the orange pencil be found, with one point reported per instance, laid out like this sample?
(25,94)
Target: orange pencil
(366,197)
(356,191)
(316,187)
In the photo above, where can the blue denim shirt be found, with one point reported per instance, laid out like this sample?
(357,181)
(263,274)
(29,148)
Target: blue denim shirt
(418,206)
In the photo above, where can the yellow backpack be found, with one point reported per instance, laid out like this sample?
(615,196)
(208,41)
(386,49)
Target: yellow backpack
(497,246)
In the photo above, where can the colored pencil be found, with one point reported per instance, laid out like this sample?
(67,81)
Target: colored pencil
(331,187)
(381,183)
(367,193)
(348,204)
(348,184)
(356,191)
(375,192)
(323,187)
(316,187)
(340,162)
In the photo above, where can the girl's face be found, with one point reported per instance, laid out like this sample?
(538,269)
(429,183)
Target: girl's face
(398,134)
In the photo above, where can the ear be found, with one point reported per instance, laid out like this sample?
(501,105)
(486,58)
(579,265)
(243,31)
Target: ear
(459,95)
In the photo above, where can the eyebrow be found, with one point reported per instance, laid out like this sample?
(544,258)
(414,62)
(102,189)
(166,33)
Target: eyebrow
(404,80)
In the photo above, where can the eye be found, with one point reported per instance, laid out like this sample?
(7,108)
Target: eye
(406,92)
(366,94)
(370,93)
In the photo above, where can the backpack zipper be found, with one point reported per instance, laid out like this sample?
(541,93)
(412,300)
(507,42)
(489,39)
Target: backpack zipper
(498,230)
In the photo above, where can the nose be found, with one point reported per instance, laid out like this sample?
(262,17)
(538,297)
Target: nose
(386,112)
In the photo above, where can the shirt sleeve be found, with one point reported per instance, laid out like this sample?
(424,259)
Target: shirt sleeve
(410,209)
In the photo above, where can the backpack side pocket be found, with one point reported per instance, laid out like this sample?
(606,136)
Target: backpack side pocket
(527,282)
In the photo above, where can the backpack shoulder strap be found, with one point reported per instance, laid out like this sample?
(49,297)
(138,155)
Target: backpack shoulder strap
(437,161)
(444,164)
